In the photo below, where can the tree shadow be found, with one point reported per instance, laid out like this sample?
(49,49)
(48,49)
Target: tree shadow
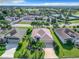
(68,47)
(56,48)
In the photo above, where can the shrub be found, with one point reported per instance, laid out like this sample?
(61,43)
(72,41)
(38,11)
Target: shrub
(19,45)
(69,42)
(29,30)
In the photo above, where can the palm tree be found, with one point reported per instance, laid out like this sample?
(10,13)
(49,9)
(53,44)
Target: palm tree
(54,22)
(66,16)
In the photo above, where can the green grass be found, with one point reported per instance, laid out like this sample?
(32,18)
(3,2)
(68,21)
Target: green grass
(22,22)
(24,27)
(2,49)
(74,21)
(76,13)
(19,51)
(58,43)
(63,51)
(68,27)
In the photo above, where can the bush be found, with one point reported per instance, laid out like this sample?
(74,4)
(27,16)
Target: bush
(77,26)
(29,30)
(19,45)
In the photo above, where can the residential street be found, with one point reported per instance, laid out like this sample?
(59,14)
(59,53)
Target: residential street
(28,25)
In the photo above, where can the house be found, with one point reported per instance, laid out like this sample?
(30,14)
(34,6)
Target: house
(64,34)
(28,18)
(43,33)
(15,35)
(2,40)
(11,37)
(1,30)
(11,18)
(13,32)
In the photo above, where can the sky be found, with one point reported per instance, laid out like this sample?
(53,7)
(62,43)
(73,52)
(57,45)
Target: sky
(40,2)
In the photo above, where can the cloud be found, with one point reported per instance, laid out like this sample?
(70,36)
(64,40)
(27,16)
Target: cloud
(18,1)
(62,4)
(51,4)
(58,4)
(24,3)
(11,1)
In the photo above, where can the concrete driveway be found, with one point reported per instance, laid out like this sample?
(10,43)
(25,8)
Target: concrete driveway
(10,49)
(49,52)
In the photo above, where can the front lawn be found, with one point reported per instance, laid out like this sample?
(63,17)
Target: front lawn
(62,50)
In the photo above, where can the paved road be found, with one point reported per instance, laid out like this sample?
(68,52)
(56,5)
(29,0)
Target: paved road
(28,25)
(75,24)
(10,49)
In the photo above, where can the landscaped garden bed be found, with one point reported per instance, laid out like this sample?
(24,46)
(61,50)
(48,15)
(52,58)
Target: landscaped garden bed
(30,48)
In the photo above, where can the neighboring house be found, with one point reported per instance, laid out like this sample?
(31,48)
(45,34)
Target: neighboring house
(55,15)
(15,35)
(43,33)
(13,32)
(64,34)
(11,18)
(0,30)
(11,36)
(28,18)
(2,40)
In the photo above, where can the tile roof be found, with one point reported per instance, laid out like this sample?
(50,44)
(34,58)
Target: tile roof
(43,33)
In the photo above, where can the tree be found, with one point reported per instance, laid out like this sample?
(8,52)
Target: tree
(29,30)
(54,23)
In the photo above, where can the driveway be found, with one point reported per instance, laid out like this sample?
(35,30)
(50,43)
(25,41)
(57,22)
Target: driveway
(49,52)
(10,49)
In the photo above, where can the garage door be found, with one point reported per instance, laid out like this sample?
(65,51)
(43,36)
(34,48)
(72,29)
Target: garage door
(12,39)
(47,40)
